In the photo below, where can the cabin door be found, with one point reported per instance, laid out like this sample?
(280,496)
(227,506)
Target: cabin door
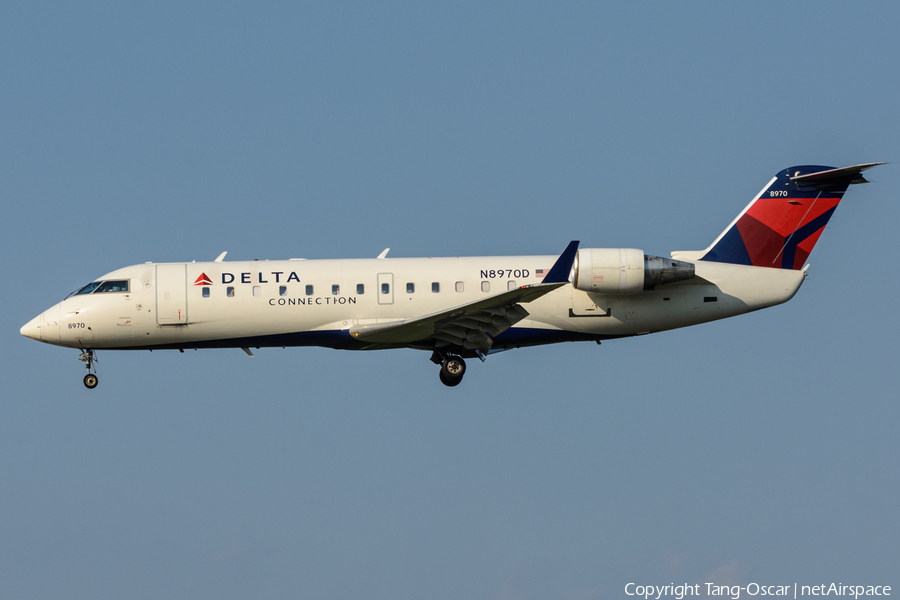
(171,295)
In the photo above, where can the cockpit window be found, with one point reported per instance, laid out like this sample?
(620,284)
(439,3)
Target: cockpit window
(100,287)
(113,286)
(88,288)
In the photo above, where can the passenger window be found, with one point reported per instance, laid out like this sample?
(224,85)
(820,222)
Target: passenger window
(282,291)
(410,288)
(257,291)
(335,290)
(205,292)
(435,287)
(309,290)
(511,285)
(385,288)
(360,288)
(460,287)
(485,286)
(229,292)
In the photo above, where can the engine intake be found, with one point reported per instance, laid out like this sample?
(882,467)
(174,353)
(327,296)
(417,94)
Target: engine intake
(623,271)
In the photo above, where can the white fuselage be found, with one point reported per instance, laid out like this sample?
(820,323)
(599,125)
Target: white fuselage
(317,302)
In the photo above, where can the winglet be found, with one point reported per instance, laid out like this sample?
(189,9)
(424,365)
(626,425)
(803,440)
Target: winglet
(559,273)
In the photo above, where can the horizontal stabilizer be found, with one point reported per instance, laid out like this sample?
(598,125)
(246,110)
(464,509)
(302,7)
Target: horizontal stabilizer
(854,172)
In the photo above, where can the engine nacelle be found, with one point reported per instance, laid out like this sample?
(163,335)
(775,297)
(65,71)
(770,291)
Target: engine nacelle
(622,271)
(659,270)
(610,270)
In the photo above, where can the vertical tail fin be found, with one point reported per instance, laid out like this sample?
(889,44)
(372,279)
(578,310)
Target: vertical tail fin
(783,222)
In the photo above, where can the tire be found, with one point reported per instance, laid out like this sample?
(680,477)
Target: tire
(452,370)
(448,382)
(90,381)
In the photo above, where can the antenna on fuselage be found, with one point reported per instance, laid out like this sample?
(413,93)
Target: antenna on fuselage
(384,253)
(221,257)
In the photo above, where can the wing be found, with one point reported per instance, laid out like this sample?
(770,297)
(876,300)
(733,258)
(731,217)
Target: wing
(470,326)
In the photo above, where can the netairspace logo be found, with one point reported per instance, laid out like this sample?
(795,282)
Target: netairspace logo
(678,592)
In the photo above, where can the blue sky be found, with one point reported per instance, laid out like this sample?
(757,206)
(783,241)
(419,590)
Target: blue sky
(758,449)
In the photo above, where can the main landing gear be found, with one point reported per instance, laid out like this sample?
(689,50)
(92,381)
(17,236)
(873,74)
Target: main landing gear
(452,368)
(88,358)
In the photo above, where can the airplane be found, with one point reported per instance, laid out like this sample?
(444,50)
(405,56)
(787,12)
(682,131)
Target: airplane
(456,308)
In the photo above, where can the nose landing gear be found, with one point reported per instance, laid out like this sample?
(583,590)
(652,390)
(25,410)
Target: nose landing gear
(452,370)
(88,358)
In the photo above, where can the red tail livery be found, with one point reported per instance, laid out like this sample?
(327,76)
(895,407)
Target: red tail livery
(782,224)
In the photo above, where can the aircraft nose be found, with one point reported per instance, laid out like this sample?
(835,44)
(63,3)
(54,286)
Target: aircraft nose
(44,327)
(32,329)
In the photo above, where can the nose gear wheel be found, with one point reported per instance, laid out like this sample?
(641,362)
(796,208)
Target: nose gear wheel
(88,358)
